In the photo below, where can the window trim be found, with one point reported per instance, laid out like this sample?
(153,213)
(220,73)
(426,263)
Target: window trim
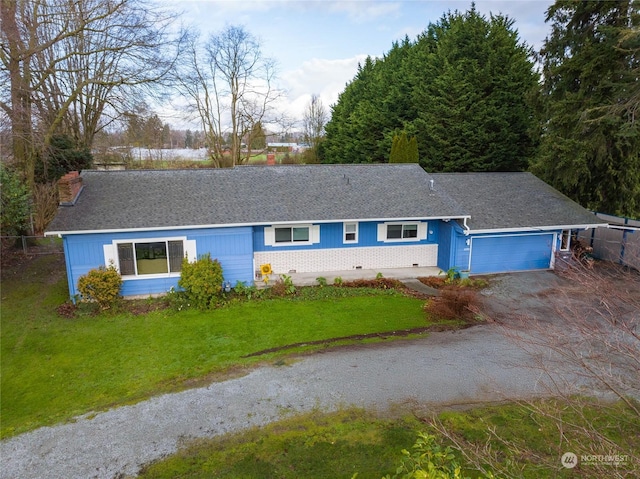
(421,231)
(270,235)
(344,232)
(112,256)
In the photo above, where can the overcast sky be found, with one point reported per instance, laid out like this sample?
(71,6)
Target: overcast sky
(318,44)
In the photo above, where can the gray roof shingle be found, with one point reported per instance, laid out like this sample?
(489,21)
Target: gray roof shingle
(165,199)
(512,201)
(149,199)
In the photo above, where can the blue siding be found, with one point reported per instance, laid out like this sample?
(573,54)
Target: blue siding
(331,237)
(453,250)
(461,249)
(445,246)
(518,252)
(231,246)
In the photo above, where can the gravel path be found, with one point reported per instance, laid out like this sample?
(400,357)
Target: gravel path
(467,366)
(457,367)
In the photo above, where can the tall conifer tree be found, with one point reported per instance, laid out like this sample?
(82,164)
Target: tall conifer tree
(590,147)
(463,89)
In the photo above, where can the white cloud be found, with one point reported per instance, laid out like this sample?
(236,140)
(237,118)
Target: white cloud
(322,77)
(366,10)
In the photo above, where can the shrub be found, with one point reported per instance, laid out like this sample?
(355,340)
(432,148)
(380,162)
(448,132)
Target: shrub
(101,285)
(177,300)
(433,281)
(283,287)
(439,282)
(242,291)
(288,159)
(15,207)
(454,303)
(430,460)
(202,281)
(45,204)
(379,283)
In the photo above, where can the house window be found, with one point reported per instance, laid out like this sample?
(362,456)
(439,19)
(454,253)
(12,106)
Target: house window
(565,240)
(402,231)
(139,258)
(350,233)
(292,235)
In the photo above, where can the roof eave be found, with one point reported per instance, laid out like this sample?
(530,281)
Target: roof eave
(237,225)
(539,228)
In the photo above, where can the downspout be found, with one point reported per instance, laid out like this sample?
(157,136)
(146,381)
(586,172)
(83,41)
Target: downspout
(467,230)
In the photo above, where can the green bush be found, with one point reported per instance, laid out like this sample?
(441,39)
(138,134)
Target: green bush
(430,461)
(283,287)
(62,156)
(101,285)
(202,281)
(15,207)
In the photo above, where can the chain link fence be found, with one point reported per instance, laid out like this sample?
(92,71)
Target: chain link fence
(620,243)
(30,245)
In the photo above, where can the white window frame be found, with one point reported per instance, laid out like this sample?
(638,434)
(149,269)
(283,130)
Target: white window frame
(270,235)
(355,224)
(420,236)
(111,255)
(565,240)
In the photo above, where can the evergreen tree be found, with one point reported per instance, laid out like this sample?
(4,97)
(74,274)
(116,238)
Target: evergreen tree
(590,142)
(62,156)
(15,204)
(463,88)
(370,109)
(413,156)
(473,86)
(258,137)
(404,150)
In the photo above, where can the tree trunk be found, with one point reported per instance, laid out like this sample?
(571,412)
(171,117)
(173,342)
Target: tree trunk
(19,112)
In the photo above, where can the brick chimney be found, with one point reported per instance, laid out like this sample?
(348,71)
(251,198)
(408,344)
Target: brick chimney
(69,187)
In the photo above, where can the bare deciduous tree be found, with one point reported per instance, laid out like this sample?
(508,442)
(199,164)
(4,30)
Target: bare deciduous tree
(229,85)
(588,355)
(72,65)
(313,122)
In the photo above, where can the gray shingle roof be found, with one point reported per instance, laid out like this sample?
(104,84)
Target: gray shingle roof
(148,199)
(512,201)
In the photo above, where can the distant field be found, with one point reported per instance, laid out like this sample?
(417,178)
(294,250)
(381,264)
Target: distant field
(188,154)
(166,154)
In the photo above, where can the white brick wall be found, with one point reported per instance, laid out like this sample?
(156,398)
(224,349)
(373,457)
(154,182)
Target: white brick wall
(341,259)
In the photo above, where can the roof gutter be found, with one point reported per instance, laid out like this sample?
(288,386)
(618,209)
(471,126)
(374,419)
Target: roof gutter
(622,227)
(540,228)
(238,225)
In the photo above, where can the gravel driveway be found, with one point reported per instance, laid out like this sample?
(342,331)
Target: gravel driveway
(473,365)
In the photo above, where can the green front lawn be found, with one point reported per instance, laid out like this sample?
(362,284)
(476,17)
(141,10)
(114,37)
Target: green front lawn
(313,445)
(513,440)
(54,368)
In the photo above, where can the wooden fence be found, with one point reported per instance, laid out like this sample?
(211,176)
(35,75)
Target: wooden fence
(619,243)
